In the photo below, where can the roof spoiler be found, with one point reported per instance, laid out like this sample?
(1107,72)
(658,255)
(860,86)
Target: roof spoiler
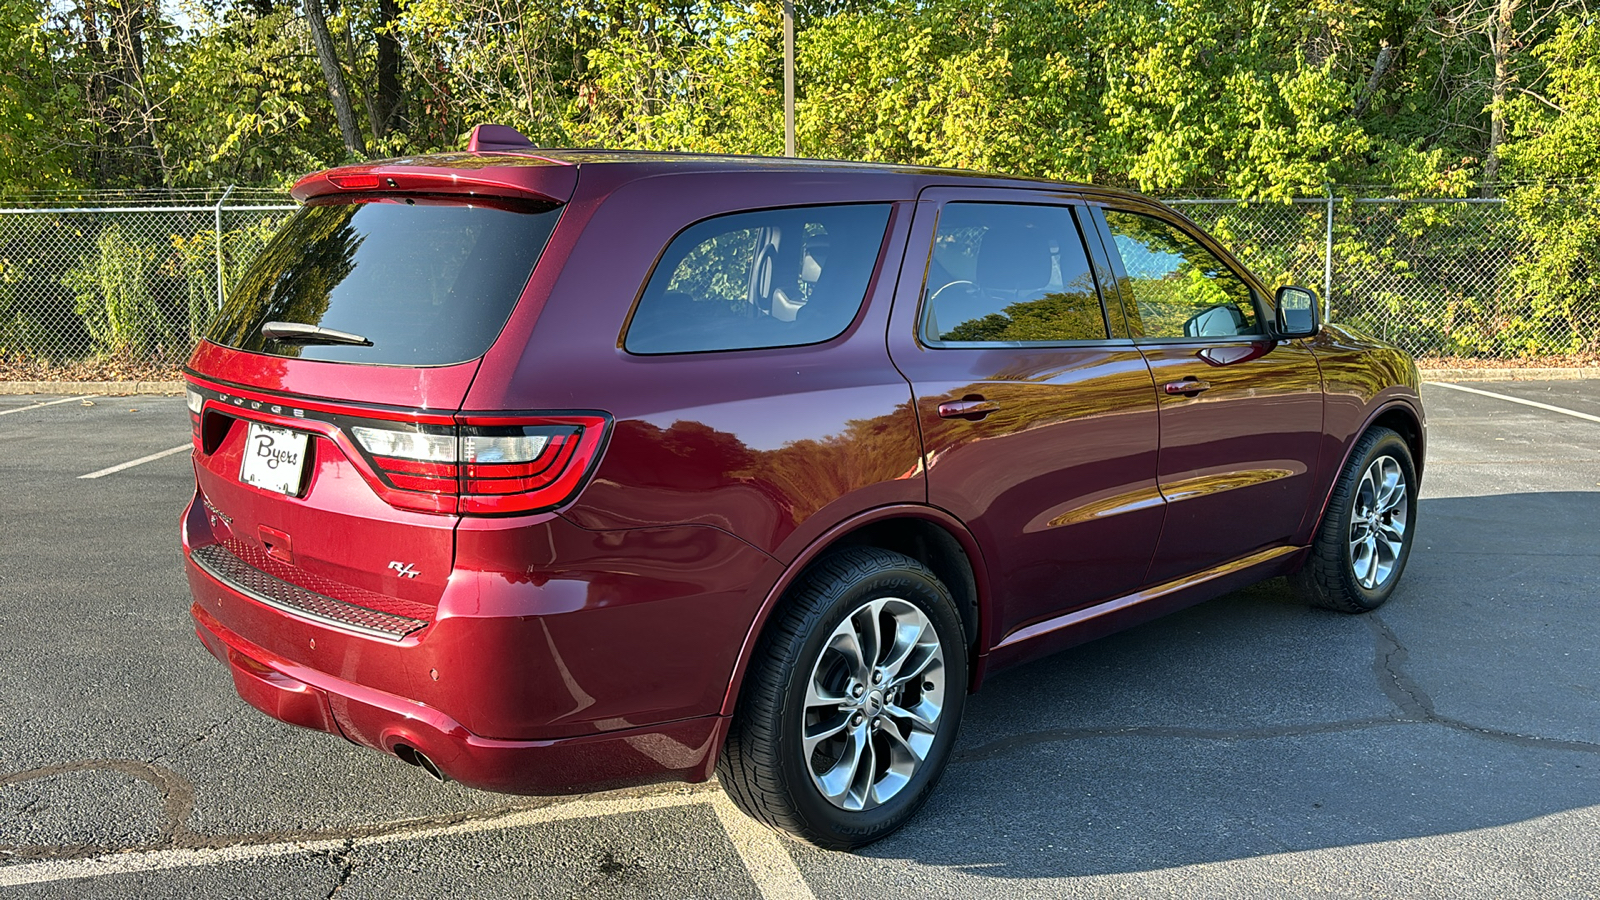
(497,138)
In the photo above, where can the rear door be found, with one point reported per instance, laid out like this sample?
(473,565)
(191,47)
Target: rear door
(1241,412)
(1038,416)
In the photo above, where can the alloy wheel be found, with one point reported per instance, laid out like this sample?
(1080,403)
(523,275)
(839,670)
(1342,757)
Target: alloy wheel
(1378,522)
(873,704)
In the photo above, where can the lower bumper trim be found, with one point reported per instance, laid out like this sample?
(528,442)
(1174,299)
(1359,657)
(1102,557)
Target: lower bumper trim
(220,563)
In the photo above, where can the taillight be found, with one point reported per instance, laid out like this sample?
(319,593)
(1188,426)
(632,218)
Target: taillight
(413,460)
(196,403)
(494,464)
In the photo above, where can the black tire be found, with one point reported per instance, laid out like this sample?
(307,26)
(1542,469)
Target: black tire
(765,767)
(1333,577)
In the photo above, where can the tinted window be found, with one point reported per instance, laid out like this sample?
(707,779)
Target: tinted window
(1009,273)
(1180,289)
(774,278)
(427,282)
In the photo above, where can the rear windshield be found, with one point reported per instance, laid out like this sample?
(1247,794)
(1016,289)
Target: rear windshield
(426,282)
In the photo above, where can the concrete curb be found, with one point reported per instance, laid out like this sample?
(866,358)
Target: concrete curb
(1553,373)
(85,388)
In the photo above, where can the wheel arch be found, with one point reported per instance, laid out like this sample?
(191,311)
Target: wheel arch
(1398,415)
(925,533)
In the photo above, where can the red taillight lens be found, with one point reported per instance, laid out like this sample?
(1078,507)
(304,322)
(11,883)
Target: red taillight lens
(496,464)
(196,403)
(524,465)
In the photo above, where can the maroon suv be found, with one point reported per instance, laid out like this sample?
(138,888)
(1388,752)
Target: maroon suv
(554,471)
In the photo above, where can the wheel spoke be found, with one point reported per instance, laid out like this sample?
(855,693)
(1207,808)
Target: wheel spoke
(901,758)
(866,772)
(869,633)
(816,734)
(836,783)
(908,744)
(847,643)
(1367,494)
(1360,559)
(1393,492)
(1371,547)
(907,640)
(915,667)
(817,695)
(923,716)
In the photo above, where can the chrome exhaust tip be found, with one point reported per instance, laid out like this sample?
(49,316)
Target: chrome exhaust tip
(412,756)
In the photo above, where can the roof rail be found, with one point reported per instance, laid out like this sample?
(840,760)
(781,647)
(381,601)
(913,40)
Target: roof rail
(489,138)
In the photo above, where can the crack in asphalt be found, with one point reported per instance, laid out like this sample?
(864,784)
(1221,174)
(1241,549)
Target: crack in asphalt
(347,865)
(1387,658)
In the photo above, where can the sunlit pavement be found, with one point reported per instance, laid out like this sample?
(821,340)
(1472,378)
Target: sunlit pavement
(1448,746)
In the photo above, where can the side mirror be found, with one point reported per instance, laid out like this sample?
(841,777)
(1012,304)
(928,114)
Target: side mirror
(1299,313)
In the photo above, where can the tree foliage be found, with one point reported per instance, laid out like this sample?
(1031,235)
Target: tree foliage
(1262,99)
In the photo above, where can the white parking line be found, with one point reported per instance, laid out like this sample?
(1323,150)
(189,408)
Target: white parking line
(762,852)
(1533,403)
(7,412)
(765,858)
(137,462)
(156,860)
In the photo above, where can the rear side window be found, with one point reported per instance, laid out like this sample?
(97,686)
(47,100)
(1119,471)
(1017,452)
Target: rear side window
(773,278)
(426,282)
(1012,274)
(1180,289)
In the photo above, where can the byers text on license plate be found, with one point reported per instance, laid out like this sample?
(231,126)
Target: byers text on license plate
(274,458)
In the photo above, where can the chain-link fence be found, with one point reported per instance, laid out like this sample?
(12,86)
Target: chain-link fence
(123,281)
(1448,277)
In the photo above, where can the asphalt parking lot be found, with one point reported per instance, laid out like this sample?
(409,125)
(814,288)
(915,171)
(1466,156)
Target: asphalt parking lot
(1448,746)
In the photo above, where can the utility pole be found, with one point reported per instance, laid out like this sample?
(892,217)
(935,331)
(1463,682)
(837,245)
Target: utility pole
(788,77)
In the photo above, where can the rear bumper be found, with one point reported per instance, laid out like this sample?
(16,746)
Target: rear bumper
(676,751)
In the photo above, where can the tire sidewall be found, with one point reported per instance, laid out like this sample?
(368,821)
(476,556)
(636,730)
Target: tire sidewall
(924,591)
(1391,445)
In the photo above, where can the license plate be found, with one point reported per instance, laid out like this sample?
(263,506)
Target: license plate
(274,458)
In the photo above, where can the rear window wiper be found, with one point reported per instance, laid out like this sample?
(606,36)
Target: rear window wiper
(298,333)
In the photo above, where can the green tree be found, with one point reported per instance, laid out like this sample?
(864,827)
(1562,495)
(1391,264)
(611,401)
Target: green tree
(1555,147)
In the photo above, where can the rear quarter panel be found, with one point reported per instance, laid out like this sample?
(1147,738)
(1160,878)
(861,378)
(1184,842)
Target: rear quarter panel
(772,446)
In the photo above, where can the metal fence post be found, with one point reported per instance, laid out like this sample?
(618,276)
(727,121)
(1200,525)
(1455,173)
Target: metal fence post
(1327,263)
(218,211)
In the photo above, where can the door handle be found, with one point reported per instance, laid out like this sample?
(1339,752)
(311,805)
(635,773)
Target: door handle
(1188,387)
(970,408)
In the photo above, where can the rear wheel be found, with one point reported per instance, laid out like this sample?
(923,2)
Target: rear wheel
(1364,540)
(852,702)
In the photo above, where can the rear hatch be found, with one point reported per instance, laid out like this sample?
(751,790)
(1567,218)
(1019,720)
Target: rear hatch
(330,449)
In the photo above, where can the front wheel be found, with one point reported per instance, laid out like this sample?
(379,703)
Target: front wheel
(1362,545)
(852,702)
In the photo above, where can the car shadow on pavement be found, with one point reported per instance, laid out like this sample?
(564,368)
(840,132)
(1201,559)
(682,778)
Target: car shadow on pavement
(1253,725)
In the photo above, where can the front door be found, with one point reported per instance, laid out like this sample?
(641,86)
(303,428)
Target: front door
(1240,411)
(1039,420)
